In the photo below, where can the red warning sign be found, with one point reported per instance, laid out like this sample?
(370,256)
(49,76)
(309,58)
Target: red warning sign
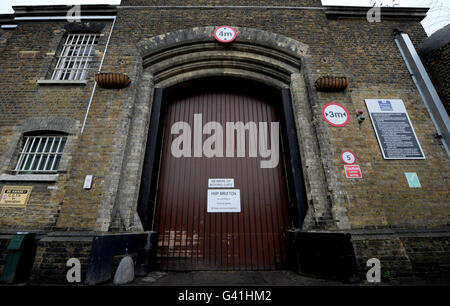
(335,114)
(353,171)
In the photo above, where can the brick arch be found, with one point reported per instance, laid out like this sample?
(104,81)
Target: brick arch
(194,53)
(205,34)
(269,58)
(65,125)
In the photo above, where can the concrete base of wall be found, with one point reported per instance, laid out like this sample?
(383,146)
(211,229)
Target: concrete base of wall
(53,252)
(99,255)
(344,255)
(333,255)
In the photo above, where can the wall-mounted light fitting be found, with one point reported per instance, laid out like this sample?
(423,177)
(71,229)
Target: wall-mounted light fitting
(361,117)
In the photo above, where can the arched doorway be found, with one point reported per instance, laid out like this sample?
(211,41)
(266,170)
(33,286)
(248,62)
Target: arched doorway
(266,58)
(196,229)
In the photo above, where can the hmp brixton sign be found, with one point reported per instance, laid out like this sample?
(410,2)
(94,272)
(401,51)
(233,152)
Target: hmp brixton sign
(224,200)
(15,196)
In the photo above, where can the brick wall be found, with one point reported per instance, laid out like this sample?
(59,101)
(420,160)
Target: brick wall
(438,66)
(365,52)
(344,255)
(388,250)
(27,57)
(40,214)
(4,241)
(428,254)
(52,254)
(403,253)
(316,3)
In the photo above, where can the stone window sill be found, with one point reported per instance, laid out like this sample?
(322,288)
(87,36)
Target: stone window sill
(29,177)
(62,83)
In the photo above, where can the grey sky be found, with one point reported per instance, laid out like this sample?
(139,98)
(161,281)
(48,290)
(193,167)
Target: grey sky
(438,16)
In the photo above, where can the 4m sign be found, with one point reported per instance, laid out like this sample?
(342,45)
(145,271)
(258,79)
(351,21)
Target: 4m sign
(335,114)
(225,34)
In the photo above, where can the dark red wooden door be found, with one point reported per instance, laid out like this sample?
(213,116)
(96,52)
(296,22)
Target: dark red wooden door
(190,238)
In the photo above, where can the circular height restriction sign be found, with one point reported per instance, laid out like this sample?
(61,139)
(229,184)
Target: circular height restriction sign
(225,34)
(335,114)
(348,157)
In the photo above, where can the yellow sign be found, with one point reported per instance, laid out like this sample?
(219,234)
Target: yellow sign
(15,196)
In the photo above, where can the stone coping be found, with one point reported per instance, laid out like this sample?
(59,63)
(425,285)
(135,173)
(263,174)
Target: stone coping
(61,83)
(61,10)
(392,13)
(383,233)
(29,178)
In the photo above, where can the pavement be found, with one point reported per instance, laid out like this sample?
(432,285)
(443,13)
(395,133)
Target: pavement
(271,278)
(259,278)
(233,278)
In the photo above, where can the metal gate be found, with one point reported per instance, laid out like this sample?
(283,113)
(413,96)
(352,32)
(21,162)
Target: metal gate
(190,238)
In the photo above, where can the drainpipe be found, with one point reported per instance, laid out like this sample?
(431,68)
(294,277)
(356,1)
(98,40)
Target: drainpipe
(99,70)
(426,89)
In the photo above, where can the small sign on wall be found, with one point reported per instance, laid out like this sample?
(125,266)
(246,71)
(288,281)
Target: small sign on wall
(348,157)
(224,200)
(220,183)
(15,196)
(225,34)
(88,182)
(394,130)
(335,114)
(353,171)
(413,180)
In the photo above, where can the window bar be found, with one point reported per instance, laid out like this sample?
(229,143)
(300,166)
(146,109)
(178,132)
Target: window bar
(27,153)
(77,60)
(60,57)
(84,58)
(70,55)
(59,69)
(74,71)
(22,154)
(79,71)
(73,63)
(67,67)
(85,68)
(49,154)
(42,154)
(87,55)
(91,49)
(64,55)
(56,154)
(34,155)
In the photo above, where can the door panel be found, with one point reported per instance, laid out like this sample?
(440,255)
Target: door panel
(190,238)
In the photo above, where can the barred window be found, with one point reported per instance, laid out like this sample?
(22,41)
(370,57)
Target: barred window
(41,154)
(76,54)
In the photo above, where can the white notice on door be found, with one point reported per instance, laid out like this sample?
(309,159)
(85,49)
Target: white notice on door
(220,183)
(224,200)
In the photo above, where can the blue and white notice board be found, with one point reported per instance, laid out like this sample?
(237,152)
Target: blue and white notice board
(394,130)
